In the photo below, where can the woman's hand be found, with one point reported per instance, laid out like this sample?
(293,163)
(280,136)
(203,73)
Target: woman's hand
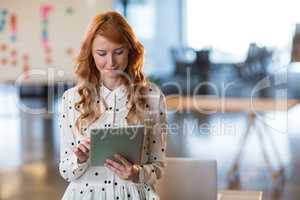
(124,169)
(82,151)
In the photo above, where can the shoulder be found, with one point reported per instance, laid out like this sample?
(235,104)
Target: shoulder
(155,94)
(154,89)
(71,95)
(70,92)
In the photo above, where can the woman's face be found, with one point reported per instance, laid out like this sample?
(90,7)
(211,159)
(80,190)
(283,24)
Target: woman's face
(110,58)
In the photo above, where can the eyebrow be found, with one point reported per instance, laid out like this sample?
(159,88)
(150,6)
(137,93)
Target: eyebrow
(113,50)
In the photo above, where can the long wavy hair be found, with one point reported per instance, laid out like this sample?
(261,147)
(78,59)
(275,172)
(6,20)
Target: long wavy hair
(115,28)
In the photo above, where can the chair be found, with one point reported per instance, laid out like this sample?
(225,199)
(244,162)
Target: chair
(186,178)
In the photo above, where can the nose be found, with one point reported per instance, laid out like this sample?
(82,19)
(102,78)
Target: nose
(110,62)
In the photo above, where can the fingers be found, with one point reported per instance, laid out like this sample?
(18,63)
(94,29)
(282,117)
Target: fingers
(83,148)
(112,168)
(79,152)
(123,160)
(131,173)
(87,143)
(115,165)
(80,155)
(125,165)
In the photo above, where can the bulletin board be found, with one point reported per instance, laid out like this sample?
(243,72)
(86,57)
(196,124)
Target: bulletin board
(39,40)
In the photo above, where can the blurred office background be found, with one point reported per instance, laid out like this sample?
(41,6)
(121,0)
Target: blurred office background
(232,46)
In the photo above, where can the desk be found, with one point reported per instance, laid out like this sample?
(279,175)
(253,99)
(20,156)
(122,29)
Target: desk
(205,103)
(239,195)
(213,104)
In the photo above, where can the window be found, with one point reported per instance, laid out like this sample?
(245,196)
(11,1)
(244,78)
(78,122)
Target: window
(230,26)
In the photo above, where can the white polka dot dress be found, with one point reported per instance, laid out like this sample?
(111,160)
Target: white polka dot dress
(91,183)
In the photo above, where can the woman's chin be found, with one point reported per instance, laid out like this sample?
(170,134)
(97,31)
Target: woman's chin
(111,74)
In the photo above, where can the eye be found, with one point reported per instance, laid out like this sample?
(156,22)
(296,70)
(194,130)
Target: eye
(101,54)
(119,52)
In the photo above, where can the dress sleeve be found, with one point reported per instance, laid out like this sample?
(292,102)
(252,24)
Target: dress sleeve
(153,169)
(69,168)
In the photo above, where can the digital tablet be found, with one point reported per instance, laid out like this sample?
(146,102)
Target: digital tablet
(127,141)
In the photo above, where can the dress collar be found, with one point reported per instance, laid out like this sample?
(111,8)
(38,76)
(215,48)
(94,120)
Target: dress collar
(119,91)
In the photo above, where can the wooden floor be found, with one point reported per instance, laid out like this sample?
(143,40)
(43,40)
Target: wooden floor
(29,148)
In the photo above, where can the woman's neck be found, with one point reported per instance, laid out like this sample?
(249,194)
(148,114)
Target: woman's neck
(111,84)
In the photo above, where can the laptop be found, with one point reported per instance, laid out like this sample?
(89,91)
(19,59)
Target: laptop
(186,178)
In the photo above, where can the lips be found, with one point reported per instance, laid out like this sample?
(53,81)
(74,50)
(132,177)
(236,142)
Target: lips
(111,69)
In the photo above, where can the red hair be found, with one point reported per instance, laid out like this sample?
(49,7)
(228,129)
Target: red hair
(115,28)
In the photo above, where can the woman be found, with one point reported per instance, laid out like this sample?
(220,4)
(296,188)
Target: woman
(112,91)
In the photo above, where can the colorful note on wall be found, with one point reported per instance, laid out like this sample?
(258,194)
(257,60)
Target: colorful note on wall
(45,10)
(26,66)
(14,57)
(3,54)
(13,27)
(3,16)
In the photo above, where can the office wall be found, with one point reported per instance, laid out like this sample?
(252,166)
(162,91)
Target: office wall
(39,39)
